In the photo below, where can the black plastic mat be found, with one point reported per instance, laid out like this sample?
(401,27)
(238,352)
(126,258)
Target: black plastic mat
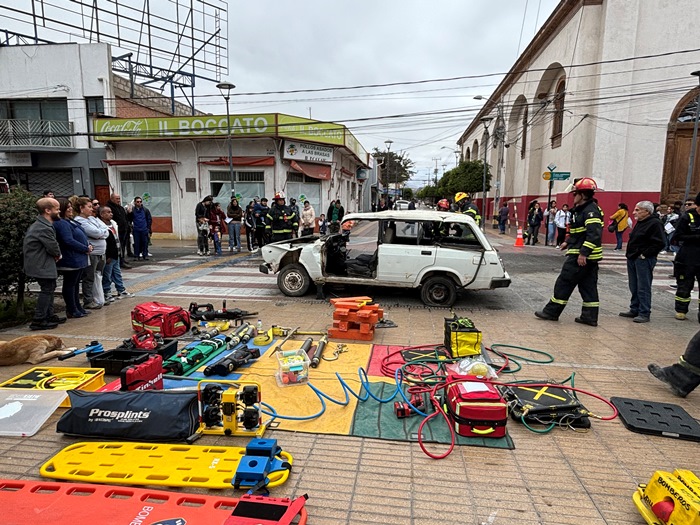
(657,419)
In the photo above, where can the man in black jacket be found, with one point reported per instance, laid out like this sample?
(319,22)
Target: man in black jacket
(119,216)
(646,241)
(687,262)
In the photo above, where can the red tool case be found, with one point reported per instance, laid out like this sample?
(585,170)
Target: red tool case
(477,409)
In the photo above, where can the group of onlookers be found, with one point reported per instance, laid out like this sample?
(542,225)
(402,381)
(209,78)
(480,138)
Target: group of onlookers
(262,223)
(79,240)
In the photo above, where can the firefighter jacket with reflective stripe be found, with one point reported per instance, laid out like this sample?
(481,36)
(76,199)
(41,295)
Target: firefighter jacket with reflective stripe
(586,231)
(688,236)
(281,219)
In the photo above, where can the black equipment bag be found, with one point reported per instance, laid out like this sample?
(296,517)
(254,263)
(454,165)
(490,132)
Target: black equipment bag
(545,405)
(136,415)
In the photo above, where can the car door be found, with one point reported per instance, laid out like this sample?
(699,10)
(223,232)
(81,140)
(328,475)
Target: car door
(459,250)
(401,258)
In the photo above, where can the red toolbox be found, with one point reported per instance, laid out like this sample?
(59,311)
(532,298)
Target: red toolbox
(477,409)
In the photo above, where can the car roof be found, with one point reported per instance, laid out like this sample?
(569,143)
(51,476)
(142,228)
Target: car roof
(410,215)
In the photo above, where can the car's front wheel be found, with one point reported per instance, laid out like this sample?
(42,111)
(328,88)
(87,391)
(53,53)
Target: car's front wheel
(438,291)
(293,280)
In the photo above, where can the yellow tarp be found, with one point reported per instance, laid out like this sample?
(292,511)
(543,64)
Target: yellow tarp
(300,400)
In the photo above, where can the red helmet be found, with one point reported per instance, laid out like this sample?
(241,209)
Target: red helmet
(443,204)
(279,195)
(583,184)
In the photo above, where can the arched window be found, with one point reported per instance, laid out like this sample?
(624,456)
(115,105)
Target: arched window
(468,156)
(558,121)
(523,146)
(475,150)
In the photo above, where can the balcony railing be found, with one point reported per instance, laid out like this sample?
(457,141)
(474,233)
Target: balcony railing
(54,133)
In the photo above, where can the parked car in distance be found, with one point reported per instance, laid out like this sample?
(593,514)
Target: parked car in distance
(401,205)
(435,251)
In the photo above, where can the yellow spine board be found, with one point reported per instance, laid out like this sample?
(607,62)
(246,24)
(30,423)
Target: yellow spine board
(152,464)
(665,486)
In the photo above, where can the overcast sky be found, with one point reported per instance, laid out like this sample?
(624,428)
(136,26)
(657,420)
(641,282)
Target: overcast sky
(278,45)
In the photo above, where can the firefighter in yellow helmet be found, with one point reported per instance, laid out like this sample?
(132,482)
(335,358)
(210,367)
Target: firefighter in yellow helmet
(463,204)
(583,252)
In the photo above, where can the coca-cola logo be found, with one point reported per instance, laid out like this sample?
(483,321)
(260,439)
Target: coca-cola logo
(127,127)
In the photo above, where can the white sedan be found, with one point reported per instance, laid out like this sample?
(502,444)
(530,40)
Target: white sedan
(438,252)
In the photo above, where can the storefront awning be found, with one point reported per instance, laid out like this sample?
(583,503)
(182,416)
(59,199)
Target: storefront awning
(137,162)
(315,171)
(241,161)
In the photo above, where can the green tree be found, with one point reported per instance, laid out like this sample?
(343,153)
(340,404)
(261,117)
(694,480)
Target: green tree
(407,193)
(17,213)
(466,177)
(396,168)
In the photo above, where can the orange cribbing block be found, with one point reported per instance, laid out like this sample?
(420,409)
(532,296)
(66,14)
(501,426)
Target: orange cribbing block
(356,317)
(350,334)
(351,300)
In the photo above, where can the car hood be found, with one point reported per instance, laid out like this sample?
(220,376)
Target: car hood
(275,251)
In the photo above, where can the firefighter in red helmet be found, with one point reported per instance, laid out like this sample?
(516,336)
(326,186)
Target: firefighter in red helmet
(443,205)
(583,252)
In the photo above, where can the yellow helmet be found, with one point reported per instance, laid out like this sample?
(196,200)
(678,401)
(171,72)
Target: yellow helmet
(460,196)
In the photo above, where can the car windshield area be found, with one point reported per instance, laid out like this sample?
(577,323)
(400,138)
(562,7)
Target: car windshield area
(356,243)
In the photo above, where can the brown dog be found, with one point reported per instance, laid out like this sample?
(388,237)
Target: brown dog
(32,349)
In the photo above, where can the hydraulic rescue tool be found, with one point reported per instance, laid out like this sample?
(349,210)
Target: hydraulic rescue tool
(207,312)
(91,350)
(318,353)
(232,362)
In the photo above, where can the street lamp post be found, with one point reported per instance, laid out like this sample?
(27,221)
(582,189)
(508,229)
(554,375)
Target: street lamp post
(486,121)
(694,144)
(388,143)
(225,88)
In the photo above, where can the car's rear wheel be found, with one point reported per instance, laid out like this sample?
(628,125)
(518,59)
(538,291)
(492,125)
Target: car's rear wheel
(294,280)
(438,291)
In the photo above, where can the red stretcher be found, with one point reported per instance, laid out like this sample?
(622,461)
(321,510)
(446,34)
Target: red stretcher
(32,502)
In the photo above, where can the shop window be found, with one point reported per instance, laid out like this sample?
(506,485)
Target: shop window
(558,121)
(302,187)
(152,186)
(248,184)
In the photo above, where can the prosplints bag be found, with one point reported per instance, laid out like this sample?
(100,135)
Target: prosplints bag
(163,319)
(461,337)
(146,415)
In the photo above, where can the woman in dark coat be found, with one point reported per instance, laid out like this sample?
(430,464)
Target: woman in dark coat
(534,220)
(75,249)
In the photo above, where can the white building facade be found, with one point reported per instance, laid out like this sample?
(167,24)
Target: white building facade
(604,90)
(174,162)
(47,96)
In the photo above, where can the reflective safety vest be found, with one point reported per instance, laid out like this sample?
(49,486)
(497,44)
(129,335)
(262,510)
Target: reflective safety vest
(281,219)
(586,232)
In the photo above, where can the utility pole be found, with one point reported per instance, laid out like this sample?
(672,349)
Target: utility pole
(435,171)
(500,137)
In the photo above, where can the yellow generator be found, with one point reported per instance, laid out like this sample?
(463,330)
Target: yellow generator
(670,499)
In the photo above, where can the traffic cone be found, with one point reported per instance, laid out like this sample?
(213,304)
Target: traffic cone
(519,239)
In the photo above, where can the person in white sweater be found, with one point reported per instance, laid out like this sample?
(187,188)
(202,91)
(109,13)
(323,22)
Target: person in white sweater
(308,219)
(97,234)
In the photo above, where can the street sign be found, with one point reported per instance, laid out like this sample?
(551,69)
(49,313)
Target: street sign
(560,175)
(547,175)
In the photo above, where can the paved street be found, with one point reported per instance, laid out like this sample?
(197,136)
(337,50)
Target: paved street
(562,477)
